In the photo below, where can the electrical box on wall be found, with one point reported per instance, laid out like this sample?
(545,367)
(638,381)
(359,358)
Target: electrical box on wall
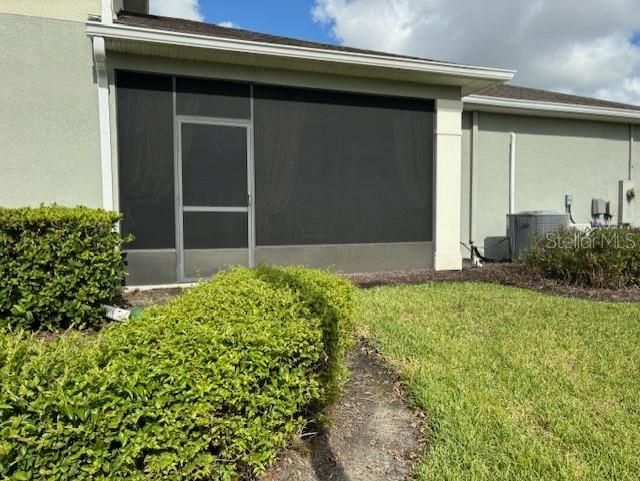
(626,198)
(609,213)
(598,207)
(568,201)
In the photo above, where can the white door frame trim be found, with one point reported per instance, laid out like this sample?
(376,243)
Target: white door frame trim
(180,208)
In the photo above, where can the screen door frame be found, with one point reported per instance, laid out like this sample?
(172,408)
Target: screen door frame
(245,124)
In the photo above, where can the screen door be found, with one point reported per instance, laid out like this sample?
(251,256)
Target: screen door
(214,215)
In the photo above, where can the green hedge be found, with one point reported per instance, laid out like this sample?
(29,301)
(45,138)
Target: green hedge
(209,386)
(57,265)
(602,258)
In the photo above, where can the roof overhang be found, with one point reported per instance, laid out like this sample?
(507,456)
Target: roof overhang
(144,41)
(549,109)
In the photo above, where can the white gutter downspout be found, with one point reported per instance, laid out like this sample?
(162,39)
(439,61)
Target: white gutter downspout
(631,142)
(100,61)
(473,174)
(512,173)
(107,12)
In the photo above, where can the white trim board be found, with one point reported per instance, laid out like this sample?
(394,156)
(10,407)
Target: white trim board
(549,109)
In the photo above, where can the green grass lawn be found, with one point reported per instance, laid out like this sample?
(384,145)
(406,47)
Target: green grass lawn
(516,385)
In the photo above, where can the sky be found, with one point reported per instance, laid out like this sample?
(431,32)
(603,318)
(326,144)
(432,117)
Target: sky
(584,47)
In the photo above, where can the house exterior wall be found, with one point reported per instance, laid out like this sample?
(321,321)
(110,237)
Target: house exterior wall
(60,9)
(553,157)
(49,134)
(347,257)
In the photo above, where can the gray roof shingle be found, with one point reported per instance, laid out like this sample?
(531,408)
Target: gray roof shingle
(201,28)
(508,91)
(208,29)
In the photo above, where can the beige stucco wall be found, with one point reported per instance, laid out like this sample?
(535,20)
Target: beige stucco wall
(60,9)
(49,136)
(554,157)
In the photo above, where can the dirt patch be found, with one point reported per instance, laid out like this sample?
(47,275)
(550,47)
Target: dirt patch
(372,435)
(499,273)
(147,297)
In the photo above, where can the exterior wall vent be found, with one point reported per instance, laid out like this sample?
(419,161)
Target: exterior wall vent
(524,226)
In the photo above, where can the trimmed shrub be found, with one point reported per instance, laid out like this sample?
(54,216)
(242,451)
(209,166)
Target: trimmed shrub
(602,258)
(209,386)
(57,265)
(329,298)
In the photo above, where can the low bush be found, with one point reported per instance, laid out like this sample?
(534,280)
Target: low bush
(209,386)
(57,265)
(330,299)
(602,258)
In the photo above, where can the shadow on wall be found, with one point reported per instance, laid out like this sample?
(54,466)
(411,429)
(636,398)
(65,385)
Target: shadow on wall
(497,247)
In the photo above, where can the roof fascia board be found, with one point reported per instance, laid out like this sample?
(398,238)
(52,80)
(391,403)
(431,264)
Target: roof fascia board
(125,32)
(551,109)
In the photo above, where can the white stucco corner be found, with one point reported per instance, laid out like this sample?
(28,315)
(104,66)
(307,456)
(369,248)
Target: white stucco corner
(447,185)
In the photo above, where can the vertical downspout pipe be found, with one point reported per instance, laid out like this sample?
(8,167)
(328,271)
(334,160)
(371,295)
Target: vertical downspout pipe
(512,173)
(631,141)
(106,16)
(100,61)
(473,173)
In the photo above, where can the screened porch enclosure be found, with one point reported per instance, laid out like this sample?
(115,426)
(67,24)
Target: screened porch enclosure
(214,173)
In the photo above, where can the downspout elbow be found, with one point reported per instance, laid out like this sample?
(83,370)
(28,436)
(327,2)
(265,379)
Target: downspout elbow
(100,57)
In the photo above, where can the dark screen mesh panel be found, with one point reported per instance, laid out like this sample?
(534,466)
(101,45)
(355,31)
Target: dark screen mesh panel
(212,98)
(215,230)
(214,165)
(136,6)
(145,159)
(334,168)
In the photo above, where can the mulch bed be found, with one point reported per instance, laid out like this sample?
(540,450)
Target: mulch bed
(499,273)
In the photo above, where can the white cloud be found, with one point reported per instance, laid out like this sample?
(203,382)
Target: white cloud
(229,24)
(576,46)
(189,9)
